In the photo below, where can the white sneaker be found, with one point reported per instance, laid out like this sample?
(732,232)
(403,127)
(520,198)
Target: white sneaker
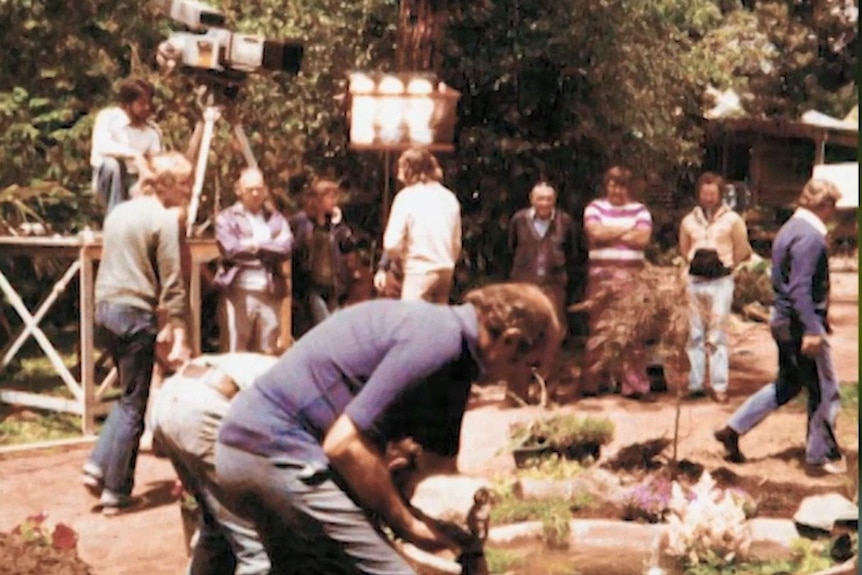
(835,466)
(113,503)
(146,443)
(91,478)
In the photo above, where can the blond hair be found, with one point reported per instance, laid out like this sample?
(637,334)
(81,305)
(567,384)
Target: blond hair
(419,165)
(817,193)
(162,172)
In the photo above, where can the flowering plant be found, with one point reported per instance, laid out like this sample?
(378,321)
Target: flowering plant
(707,524)
(34,529)
(648,501)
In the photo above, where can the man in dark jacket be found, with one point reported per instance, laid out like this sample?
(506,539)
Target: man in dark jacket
(800,281)
(321,276)
(543,247)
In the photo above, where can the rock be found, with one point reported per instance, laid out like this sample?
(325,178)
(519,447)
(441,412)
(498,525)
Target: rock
(850,567)
(771,539)
(604,485)
(425,563)
(824,511)
(447,497)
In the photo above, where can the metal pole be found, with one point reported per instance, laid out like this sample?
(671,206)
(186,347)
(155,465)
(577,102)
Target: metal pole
(387,176)
(211,115)
(250,160)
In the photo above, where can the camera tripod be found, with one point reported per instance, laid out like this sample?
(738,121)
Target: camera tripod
(213,99)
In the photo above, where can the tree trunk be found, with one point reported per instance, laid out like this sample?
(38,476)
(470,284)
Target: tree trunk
(420,30)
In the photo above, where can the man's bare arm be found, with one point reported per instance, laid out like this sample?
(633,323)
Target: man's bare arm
(362,467)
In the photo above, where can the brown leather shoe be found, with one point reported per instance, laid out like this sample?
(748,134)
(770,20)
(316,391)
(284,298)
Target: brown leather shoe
(720,397)
(730,440)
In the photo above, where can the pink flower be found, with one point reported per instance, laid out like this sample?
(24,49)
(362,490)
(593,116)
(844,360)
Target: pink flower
(64,537)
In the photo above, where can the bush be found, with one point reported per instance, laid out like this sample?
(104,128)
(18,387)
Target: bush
(561,432)
(753,284)
(653,311)
(33,549)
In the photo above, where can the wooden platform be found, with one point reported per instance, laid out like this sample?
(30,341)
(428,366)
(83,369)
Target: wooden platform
(81,252)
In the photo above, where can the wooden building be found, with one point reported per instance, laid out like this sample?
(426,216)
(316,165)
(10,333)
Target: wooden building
(775,157)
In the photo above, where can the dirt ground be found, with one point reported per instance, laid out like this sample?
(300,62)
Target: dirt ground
(150,541)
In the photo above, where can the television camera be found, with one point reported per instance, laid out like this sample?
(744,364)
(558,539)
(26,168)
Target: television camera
(209,47)
(220,60)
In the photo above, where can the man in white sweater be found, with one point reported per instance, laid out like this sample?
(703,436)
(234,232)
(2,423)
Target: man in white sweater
(423,235)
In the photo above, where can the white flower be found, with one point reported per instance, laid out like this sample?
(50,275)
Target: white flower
(706,519)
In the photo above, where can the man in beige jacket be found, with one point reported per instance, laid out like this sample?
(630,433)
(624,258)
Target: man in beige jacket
(713,240)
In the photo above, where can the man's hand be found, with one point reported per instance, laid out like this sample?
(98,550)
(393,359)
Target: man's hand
(812,345)
(427,536)
(180,352)
(250,244)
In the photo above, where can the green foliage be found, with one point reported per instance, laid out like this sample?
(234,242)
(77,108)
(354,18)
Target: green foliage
(559,90)
(753,284)
(653,310)
(37,426)
(850,397)
(552,467)
(562,431)
(813,64)
(500,560)
(809,556)
(554,514)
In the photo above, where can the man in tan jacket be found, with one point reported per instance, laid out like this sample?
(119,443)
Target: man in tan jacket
(713,240)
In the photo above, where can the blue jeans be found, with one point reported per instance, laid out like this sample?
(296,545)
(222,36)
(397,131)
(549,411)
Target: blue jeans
(188,414)
(308,524)
(710,302)
(129,334)
(111,183)
(795,371)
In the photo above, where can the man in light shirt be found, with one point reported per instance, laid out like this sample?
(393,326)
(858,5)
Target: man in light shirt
(423,235)
(711,232)
(254,240)
(122,136)
(187,415)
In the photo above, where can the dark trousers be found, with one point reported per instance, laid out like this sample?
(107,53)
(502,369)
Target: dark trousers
(129,335)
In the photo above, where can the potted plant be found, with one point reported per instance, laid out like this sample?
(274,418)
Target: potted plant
(568,435)
(528,444)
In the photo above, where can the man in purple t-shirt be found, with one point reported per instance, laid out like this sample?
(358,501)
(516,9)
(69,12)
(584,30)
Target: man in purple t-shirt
(301,453)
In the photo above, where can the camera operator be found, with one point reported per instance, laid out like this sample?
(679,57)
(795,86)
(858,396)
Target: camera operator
(122,135)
